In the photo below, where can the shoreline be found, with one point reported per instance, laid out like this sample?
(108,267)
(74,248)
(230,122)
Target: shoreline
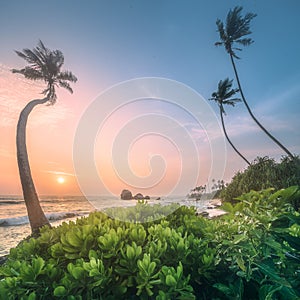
(210,210)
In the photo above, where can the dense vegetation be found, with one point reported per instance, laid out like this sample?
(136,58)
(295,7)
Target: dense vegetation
(253,252)
(264,173)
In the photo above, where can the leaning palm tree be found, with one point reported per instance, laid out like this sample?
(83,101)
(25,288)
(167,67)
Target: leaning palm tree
(44,65)
(235,32)
(223,96)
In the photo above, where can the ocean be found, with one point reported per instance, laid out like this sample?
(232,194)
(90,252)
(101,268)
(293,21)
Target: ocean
(14,225)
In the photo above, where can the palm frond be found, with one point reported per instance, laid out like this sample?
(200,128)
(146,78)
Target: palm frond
(51,94)
(219,43)
(229,93)
(67,75)
(65,85)
(30,73)
(34,57)
(238,49)
(245,41)
(232,102)
(234,54)
(222,109)
(221,30)
(42,51)
(21,54)
(58,58)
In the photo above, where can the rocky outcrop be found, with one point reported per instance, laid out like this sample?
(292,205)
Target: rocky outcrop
(126,195)
(138,196)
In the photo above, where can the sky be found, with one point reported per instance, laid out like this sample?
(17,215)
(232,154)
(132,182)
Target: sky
(139,117)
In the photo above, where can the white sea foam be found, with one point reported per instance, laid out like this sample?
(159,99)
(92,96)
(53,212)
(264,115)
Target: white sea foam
(14,221)
(14,225)
(50,216)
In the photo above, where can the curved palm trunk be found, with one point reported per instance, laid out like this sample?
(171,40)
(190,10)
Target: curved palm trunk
(36,215)
(229,141)
(253,117)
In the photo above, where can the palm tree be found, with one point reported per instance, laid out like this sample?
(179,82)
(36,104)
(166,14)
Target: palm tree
(44,65)
(235,32)
(223,97)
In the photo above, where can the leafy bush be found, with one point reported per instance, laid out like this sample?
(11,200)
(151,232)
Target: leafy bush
(264,173)
(253,252)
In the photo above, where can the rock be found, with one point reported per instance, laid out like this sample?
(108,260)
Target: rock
(158,198)
(215,202)
(3,259)
(126,195)
(147,198)
(138,196)
(202,214)
(214,213)
(210,207)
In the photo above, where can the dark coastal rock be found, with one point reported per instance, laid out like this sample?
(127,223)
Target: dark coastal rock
(203,214)
(210,207)
(3,259)
(126,195)
(158,198)
(138,196)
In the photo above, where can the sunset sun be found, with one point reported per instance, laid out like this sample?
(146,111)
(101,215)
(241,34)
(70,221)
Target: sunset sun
(60,180)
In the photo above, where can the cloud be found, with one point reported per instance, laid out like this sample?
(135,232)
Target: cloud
(5,153)
(244,125)
(279,100)
(205,134)
(241,125)
(60,173)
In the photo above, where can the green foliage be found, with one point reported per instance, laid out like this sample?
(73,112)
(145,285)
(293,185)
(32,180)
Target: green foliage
(142,212)
(264,173)
(253,252)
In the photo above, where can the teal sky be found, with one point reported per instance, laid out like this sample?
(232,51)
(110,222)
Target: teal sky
(107,42)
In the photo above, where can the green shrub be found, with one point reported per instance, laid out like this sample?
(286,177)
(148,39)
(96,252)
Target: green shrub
(253,252)
(264,173)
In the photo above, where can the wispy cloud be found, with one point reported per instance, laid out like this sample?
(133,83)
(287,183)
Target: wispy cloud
(240,125)
(244,125)
(60,173)
(279,99)
(5,153)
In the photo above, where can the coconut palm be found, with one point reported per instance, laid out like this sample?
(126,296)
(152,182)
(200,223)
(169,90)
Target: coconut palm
(223,96)
(45,65)
(236,31)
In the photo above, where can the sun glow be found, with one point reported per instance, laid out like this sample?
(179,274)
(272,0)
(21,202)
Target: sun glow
(60,180)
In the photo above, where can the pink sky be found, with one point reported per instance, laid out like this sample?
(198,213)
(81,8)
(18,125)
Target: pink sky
(106,43)
(50,131)
(154,160)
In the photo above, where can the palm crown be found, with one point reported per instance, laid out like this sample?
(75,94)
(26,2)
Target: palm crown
(45,65)
(224,93)
(237,27)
